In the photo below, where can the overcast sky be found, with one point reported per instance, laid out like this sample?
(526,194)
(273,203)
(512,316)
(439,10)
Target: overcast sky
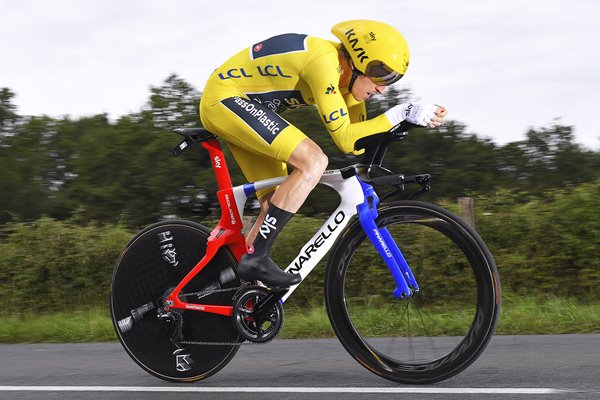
(501,67)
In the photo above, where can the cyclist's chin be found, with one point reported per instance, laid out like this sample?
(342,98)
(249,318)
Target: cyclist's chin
(360,97)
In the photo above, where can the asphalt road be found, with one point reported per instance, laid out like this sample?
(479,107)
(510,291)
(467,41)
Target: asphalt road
(512,367)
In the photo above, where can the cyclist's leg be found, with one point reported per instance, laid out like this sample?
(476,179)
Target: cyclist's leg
(309,163)
(269,168)
(292,193)
(260,131)
(253,127)
(264,203)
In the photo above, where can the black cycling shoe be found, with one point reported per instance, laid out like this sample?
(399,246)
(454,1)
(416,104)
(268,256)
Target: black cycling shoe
(262,268)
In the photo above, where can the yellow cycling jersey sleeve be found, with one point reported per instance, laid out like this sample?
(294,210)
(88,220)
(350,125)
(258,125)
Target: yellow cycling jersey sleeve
(291,70)
(343,116)
(357,110)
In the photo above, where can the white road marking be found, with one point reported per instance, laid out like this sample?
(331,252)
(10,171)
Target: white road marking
(216,389)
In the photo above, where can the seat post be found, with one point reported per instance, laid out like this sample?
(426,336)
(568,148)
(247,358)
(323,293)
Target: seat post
(219,165)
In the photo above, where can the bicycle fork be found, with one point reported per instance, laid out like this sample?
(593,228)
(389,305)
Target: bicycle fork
(406,284)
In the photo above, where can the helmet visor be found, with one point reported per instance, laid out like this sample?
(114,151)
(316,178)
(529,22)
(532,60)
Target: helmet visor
(381,74)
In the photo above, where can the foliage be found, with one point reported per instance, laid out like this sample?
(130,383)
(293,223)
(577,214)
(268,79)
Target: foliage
(89,325)
(97,170)
(52,265)
(542,247)
(549,245)
(86,184)
(94,169)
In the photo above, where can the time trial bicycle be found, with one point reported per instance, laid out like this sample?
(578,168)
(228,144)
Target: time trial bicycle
(412,291)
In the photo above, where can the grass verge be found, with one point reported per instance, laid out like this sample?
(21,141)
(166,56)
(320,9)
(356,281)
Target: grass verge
(519,316)
(79,326)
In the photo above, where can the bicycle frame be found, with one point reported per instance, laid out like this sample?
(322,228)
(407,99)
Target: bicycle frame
(357,197)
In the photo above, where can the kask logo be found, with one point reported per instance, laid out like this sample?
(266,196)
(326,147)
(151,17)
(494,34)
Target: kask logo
(353,40)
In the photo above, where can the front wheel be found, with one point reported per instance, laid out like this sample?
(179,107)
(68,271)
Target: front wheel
(443,327)
(152,264)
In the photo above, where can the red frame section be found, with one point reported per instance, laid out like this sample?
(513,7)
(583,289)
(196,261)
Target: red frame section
(228,232)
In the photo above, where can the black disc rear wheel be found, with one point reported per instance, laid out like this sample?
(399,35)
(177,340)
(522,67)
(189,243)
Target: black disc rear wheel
(153,263)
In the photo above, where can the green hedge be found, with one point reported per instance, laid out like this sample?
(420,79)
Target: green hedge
(543,247)
(52,265)
(546,246)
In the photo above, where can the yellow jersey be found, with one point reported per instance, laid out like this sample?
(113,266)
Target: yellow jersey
(293,70)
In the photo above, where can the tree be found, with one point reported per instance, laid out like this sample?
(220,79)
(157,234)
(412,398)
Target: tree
(8,115)
(124,172)
(173,104)
(548,158)
(108,171)
(27,163)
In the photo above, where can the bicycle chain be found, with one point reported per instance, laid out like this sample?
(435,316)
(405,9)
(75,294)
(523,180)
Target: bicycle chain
(206,293)
(245,343)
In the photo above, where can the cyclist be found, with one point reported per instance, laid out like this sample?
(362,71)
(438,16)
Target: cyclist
(243,98)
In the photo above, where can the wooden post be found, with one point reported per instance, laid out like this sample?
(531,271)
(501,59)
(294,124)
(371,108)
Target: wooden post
(466,207)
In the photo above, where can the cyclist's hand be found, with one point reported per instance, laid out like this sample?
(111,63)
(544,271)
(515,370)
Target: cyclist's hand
(419,112)
(438,119)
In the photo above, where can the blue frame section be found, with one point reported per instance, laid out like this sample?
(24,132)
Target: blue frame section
(385,245)
(249,189)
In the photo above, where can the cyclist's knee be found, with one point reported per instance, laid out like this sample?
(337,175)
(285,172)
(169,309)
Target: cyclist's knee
(313,166)
(309,158)
(320,161)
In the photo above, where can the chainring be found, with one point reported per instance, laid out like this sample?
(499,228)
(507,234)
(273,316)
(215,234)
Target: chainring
(254,326)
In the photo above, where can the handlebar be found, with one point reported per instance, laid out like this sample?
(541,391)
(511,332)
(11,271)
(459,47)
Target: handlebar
(376,145)
(403,127)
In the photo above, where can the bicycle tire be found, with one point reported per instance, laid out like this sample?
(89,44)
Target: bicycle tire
(143,274)
(441,250)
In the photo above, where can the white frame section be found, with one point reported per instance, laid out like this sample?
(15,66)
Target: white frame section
(351,195)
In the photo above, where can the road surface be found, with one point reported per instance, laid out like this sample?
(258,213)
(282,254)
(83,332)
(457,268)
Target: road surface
(512,367)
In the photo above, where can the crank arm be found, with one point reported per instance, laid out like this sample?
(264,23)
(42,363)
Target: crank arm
(268,302)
